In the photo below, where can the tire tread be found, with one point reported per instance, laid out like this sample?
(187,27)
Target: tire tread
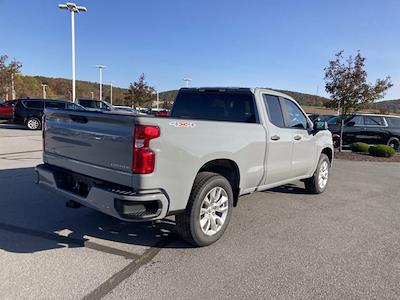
(183,220)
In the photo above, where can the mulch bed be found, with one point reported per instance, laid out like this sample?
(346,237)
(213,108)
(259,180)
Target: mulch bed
(365,157)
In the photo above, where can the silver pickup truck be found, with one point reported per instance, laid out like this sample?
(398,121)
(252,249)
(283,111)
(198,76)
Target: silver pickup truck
(217,144)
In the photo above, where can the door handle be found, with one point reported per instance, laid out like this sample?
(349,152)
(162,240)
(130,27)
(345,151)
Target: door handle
(297,137)
(275,137)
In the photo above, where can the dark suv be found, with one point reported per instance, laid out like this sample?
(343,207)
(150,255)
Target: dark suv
(29,112)
(370,129)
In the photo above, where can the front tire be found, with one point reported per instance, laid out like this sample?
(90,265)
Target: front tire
(33,123)
(394,143)
(319,181)
(208,211)
(336,141)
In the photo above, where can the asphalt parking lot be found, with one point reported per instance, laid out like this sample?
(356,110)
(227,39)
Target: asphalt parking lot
(283,243)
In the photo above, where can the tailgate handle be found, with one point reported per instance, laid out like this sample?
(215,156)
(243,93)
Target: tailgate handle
(79,119)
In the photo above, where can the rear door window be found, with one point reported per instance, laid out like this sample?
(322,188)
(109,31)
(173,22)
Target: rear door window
(87,103)
(358,120)
(70,105)
(34,104)
(54,104)
(274,110)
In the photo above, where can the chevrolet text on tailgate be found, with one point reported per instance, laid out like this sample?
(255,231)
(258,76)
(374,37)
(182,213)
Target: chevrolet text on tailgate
(217,144)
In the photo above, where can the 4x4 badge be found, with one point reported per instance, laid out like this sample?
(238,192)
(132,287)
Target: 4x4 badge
(181,124)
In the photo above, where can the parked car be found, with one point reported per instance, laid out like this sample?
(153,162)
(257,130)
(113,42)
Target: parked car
(217,145)
(7,110)
(95,104)
(368,128)
(334,120)
(29,112)
(322,118)
(162,113)
(120,108)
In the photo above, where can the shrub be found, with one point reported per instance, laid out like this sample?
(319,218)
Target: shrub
(359,147)
(381,151)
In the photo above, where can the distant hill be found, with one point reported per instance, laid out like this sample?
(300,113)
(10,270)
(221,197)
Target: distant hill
(388,106)
(60,88)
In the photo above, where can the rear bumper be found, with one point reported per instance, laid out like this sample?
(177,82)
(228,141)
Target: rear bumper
(124,204)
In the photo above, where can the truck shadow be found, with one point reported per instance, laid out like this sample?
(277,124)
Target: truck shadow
(289,189)
(32,219)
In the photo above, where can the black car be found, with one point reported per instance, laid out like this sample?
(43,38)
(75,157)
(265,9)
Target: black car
(99,105)
(29,112)
(369,129)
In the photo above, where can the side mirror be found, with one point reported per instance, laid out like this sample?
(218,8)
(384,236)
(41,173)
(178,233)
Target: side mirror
(318,125)
(350,124)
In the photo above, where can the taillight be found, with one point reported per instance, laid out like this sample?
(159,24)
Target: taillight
(143,157)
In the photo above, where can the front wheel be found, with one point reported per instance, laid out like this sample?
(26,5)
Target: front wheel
(336,141)
(33,123)
(319,181)
(394,143)
(208,211)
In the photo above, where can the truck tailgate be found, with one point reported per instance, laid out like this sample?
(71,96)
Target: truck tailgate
(96,139)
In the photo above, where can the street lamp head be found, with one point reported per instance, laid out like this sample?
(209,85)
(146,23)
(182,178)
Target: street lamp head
(81,9)
(72,7)
(101,66)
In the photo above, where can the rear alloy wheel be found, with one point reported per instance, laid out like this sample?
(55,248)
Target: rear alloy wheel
(33,123)
(213,211)
(394,143)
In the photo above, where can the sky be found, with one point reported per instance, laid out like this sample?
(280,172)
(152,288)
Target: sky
(279,44)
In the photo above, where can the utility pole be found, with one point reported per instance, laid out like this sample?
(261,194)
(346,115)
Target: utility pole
(73,8)
(44,90)
(101,67)
(92,95)
(111,87)
(187,80)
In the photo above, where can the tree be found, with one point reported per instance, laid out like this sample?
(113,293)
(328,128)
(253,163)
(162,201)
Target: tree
(139,92)
(346,82)
(6,72)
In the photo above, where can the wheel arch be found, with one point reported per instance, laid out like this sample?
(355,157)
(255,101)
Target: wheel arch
(328,152)
(228,169)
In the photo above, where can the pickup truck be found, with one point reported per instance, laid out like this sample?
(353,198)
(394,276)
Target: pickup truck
(216,145)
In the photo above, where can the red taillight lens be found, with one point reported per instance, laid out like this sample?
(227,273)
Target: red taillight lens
(143,156)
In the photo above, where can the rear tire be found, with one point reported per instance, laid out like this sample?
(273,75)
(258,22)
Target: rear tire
(33,123)
(319,181)
(208,211)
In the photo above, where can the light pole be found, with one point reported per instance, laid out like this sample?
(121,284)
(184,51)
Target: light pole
(187,80)
(12,87)
(44,90)
(111,86)
(101,67)
(92,95)
(73,8)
